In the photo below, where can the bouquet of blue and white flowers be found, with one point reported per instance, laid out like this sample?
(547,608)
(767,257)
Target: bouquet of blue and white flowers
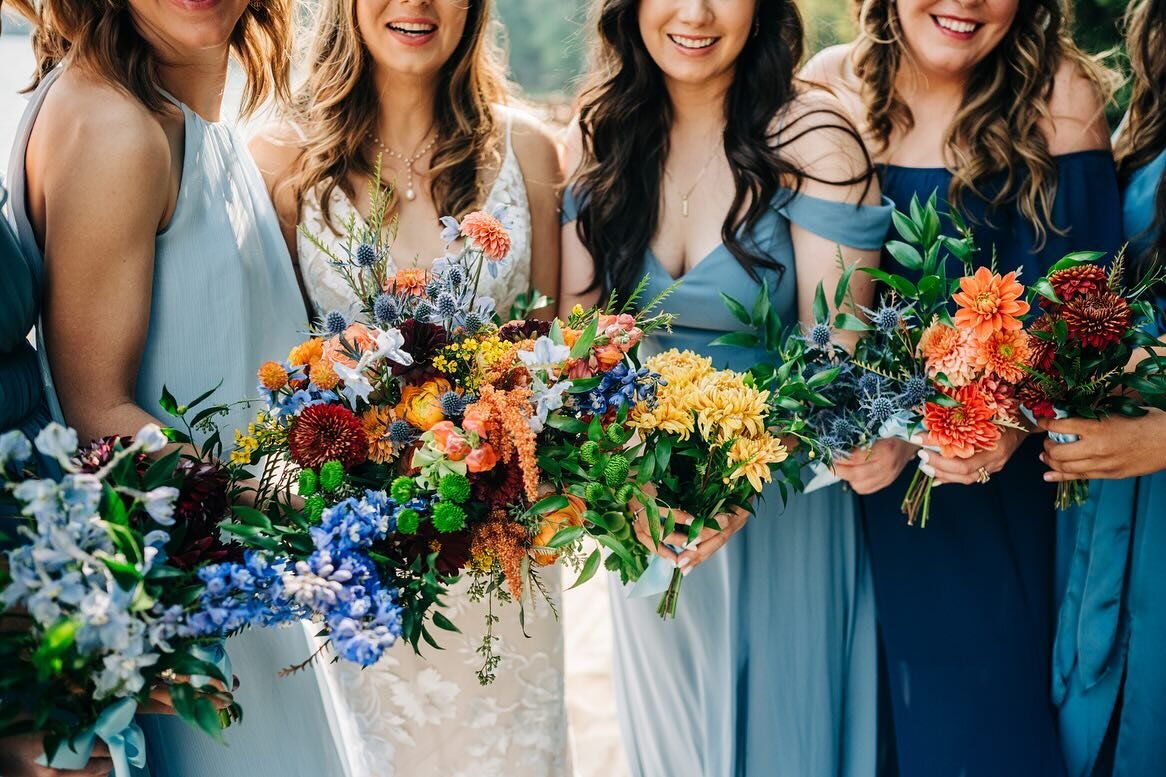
(116,587)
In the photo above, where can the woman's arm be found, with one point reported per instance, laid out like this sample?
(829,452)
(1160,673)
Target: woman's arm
(578,270)
(539,159)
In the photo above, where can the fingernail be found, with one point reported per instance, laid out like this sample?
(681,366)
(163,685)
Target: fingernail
(672,561)
(685,561)
(923,455)
(1048,476)
(684,572)
(927,470)
(1043,460)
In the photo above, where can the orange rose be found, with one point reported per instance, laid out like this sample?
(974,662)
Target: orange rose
(447,440)
(355,336)
(421,405)
(475,419)
(570,337)
(571,515)
(608,356)
(482,459)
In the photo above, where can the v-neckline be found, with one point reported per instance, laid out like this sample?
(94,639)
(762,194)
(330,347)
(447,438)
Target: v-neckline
(684,275)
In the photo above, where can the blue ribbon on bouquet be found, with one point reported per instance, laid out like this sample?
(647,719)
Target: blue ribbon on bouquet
(655,579)
(1060,437)
(117,728)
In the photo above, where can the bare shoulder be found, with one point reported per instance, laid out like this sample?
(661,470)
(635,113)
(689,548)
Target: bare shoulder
(571,139)
(1076,112)
(275,148)
(816,133)
(534,143)
(832,67)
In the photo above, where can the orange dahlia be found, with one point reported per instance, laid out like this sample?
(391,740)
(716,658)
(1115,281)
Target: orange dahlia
(1001,400)
(948,351)
(989,303)
(487,234)
(1004,354)
(961,431)
(323,433)
(411,280)
(376,421)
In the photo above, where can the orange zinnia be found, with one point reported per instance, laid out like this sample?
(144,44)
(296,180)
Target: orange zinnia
(487,234)
(989,303)
(964,430)
(411,280)
(1004,354)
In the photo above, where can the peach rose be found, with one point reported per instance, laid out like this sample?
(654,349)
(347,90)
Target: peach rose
(482,459)
(447,440)
(571,515)
(421,405)
(475,419)
(355,336)
(608,356)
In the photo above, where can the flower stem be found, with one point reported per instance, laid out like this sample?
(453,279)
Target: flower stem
(671,597)
(917,503)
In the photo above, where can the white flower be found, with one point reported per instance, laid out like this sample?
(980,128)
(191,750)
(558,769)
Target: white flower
(159,503)
(151,439)
(355,384)
(389,344)
(546,354)
(15,450)
(57,442)
(546,399)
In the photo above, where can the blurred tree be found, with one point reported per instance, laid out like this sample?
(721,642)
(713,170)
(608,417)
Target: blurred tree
(546,40)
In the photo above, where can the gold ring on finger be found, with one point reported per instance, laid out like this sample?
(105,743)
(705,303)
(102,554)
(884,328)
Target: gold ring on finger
(984,475)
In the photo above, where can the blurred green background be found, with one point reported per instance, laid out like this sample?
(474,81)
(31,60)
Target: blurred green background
(547,38)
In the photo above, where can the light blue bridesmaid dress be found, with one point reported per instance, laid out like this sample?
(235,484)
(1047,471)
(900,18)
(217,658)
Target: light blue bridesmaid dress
(224,300)
(770,665)
(1109,660)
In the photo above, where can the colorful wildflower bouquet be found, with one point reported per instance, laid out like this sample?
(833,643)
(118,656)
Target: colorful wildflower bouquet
(1089,329)
(428,440)
(116,582)
(945,354)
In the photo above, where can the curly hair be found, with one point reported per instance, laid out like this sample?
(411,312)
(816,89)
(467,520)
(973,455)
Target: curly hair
(625,119)
(1144,135)
(336,109)
(100,36)
(997,130)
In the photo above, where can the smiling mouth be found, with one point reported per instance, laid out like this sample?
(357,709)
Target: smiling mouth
(958,26)
(690,42)
(413,29)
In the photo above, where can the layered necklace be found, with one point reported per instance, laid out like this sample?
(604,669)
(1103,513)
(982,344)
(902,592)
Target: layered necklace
(423,148)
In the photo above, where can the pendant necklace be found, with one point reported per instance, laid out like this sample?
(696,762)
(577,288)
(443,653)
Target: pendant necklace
(410,193)
(684,197)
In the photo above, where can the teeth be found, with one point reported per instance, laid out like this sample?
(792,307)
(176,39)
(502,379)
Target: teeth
(693,43)
(955,25)
(413,27)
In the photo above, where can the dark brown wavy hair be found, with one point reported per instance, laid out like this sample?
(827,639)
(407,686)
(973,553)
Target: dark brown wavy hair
(625,120)
(337,107)
(997,130)
(1144,135)
(100,36)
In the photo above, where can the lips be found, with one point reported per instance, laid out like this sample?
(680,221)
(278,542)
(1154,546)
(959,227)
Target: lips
(413,29)
(693,43)
(963,28)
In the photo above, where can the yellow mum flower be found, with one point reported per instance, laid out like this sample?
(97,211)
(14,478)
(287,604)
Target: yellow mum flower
(727,408)
(677,366)
(755,455)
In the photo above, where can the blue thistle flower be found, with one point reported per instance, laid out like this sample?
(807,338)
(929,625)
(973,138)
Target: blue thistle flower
(452,404)
(886,319)
(432,289)
(401,432)
(879,409)
(820,335)
(423,312)
(335,322)
(386,310)
(915,389)
(366,255)
(870,384)
(456,276)
(473,322)
(446,305)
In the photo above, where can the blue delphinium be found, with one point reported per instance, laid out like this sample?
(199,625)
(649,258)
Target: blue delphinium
(619,387)
(242,594)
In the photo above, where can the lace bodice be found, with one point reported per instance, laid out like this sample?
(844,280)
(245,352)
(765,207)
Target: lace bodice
(328,291)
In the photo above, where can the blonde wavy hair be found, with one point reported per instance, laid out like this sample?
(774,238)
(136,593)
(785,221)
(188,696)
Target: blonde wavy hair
(100,36)
(336,110)
(997,130)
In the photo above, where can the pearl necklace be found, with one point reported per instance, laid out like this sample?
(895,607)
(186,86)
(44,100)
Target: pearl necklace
(410,192)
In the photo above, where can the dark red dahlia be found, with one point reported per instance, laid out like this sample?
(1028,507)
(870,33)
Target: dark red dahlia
(1079,281)
(531,329)
(98,453)
(453,549)
(498,486)
(1098,320)
(1042,352)
(422,342)
(324,433)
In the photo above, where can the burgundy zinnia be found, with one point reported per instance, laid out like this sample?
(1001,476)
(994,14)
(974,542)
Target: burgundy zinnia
(1097,319)
(324,433)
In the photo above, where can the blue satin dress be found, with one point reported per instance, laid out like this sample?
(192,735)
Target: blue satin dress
(1109,675)
(965,605)
(770,665)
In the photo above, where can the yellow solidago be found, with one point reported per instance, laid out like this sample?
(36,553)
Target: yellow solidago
(727,408)
(755,455)
(467,361)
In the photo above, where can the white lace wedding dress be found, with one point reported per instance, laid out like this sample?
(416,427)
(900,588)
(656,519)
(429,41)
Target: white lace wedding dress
(427,716)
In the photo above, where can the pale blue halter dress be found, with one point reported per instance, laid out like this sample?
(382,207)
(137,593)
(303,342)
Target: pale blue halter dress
(1109,661)
(769,668)
(224,301)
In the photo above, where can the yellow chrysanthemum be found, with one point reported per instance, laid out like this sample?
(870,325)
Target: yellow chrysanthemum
(677,366)
(727,408)
(668,417)
(755,455)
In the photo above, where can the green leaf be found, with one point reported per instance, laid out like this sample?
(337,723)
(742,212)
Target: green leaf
(616,547)
(444,623)
(1044,288)
(203,396)
(583,345)
(740,339)
(844,284)
(161,471)
(737,309)
(897,282)
(169,403)
(548,505)
(252,517)
(905,227)
(905,255)
(821,309)
(851,323)
(590,566)
(565,536)
(1074,259)
(822,378)
(567,424)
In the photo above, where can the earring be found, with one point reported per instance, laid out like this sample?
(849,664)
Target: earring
(756,27)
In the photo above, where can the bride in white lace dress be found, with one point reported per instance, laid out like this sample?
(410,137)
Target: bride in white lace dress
(418,83)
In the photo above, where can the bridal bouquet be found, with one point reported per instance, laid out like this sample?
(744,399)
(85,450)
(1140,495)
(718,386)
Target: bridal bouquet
(428,440)
(1089,329)
(116,584)
(940,358)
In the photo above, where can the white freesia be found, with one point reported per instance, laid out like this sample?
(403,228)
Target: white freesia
(151,439)
(388,346)
(546,354)
(159,503)
(57,442)
(355,384)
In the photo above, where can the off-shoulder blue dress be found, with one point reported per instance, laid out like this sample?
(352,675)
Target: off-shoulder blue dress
(769,667)
(1109,660)
(965,605)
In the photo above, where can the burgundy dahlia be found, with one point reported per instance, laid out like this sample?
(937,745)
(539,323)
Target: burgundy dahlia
(531,329)
(422,342)
(1079,281)
(323,433)
(1098,320)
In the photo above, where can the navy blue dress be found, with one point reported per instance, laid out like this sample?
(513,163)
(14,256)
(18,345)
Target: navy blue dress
(965,605)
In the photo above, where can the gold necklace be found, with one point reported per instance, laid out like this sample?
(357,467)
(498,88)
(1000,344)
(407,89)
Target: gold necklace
(410,192)
(684,197)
